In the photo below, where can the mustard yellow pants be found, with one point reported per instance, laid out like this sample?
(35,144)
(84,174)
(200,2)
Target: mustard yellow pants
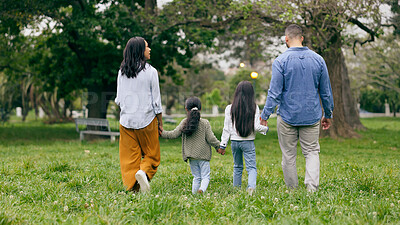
(139,149)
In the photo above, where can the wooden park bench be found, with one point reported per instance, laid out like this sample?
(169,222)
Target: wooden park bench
(169,119)
(95,122)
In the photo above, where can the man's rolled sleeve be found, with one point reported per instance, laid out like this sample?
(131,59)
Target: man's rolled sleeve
(325,91)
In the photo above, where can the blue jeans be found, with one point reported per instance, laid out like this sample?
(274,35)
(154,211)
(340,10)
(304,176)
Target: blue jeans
(247,150)
(201,174)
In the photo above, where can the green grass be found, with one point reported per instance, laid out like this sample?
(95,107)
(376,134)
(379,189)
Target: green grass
(48,176)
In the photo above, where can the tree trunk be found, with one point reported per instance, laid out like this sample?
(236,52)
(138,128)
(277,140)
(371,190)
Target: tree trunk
(32,98)
(24,101)
(333,58)
(97,105)
(170,104)
(351,113)
(150,6)
(394,108)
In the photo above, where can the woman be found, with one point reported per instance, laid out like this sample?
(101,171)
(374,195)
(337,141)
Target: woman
(138,95)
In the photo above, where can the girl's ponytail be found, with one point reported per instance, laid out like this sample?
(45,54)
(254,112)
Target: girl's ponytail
(193,105)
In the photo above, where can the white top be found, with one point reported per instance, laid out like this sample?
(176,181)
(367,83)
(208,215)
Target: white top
(230,131)
(139,98)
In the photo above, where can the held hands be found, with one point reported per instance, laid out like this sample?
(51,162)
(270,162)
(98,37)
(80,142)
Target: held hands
(160,124)
(326,123)
(221,151)
(160,129)
(263,122)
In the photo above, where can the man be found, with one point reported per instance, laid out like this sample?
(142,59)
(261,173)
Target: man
(299,80)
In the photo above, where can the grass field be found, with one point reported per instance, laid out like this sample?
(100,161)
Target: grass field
(48,176)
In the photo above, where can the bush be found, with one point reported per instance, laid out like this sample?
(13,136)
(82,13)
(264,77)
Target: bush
(372,100)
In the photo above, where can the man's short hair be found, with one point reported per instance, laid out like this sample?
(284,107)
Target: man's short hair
(294,31)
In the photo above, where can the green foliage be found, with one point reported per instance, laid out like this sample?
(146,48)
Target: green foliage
(372,100)
(213,98)
(198,79)
(376,67)
(81,47)
(359,181)
(395,8)
(8,93)
(244,74)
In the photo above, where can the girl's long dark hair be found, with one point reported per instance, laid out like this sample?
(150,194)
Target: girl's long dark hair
(134,60)
(243,109)
(193,117)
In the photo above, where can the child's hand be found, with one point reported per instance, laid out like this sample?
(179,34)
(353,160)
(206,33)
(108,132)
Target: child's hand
(221,151)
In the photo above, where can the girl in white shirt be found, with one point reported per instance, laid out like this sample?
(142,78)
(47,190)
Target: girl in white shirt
(242,120)
(138,95)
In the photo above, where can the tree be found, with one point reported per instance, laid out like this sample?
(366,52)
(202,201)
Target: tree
(325,23)
(212,98)
(244,74)
(196,80)
(377,65)
(395,20)
(9,92)
(81,47)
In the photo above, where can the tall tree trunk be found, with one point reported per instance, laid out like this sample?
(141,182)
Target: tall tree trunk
(97,106)
(24,100)
(394,108)
(351,113)
(333,57)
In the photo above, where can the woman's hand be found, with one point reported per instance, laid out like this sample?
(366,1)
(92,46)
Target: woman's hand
(160,124)
(160,128)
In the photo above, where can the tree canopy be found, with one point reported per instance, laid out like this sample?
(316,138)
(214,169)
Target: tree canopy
(80,43)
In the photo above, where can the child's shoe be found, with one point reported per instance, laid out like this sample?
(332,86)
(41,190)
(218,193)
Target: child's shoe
(250,191)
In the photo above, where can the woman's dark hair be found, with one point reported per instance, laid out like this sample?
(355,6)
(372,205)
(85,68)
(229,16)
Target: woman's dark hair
(243,108)
(134,60)
(193,106)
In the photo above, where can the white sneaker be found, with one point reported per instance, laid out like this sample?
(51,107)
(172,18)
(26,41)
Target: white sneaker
(250,191)
(310,189)
(142,180)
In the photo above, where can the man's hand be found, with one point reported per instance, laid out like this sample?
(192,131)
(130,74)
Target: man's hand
(263,122)
(326,123)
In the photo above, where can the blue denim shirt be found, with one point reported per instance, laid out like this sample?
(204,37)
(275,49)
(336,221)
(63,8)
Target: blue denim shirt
(299,78)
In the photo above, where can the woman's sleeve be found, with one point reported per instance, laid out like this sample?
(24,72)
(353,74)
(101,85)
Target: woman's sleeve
(177,132)
(257,126)
(210,137)
(117,98)
(225,132)
(155,93)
